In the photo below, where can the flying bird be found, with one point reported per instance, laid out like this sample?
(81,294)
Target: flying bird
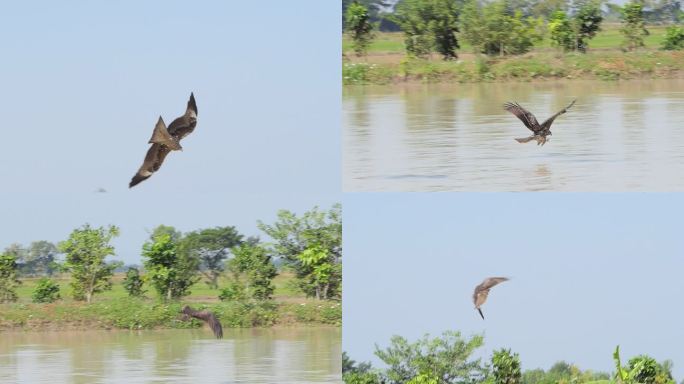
(165,140)
(482,290)
(540,130)
(207,317)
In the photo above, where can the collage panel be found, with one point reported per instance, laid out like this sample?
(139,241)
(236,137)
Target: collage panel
(170,202)
(531,288)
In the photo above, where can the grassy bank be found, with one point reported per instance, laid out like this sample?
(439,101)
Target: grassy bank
(387,63)
(115,310)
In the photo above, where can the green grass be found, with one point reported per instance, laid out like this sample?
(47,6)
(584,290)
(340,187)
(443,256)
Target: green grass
(114,309)
(608,38)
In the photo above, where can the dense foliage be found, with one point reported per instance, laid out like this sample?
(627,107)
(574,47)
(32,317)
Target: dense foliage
(359,27)
(46,291)
(446,360)
(171,273)
(633,27)
(133,282)
(8,278)
(252,274)
(429,26)
(674,38)
(506,367)
(312,246)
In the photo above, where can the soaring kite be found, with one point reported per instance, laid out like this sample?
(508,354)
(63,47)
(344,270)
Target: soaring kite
(482,290)
(165,140)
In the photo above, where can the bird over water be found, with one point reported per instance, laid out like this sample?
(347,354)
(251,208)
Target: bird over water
(540,131)
(206,316)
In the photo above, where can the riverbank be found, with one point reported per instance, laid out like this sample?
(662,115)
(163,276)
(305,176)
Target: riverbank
(115,310)
(534,66)
(387,63)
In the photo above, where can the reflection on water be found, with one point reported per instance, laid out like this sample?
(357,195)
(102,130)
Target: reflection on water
(619,136)
(284,355)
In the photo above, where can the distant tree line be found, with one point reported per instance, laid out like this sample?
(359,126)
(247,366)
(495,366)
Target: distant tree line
(173,261)
(448,359)
(508,27)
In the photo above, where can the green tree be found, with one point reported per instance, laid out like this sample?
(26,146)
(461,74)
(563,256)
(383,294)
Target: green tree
(8,278)
(171,274)
(374,7)
(359,27)
(429,25)
(211,247)
(561,32)
(587,23)
(86,250)
(254,263)
(508,31)
(633,26)
(674,38)
(472,26)
(174,235)
(314,230)
(133,282)
(447,358)
(424,378)
(324,270)
(506,367)
(46,291)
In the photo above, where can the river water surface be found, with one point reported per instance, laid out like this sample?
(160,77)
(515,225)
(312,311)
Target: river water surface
(619,136)
(278,355)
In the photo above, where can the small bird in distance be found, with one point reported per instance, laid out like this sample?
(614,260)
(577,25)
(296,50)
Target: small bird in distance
(482,290)
(541,131)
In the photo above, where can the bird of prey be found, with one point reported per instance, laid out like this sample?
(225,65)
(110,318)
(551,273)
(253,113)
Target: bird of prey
(165,140)
(482,290)
(207,317)
(540,130)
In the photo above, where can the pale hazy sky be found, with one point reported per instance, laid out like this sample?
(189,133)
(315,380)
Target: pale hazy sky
(84,82)
(588,272)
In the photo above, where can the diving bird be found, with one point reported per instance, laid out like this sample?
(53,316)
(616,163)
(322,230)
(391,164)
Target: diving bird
(165,140)
(482,290)
(206,316)
(540,130)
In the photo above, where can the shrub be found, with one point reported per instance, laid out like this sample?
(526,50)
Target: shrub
(674,38)
(133,283)
(46,291)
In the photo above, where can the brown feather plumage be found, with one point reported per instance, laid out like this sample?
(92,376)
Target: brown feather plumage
(165,140)
(482,291)
(540,130)
(207,317)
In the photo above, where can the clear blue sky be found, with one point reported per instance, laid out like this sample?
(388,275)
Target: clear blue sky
(588,272)
(84,82)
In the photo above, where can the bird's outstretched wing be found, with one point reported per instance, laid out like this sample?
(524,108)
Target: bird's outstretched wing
(492,281)
(524,115)
(161,135)
(153,161)
(208,317)
(550,120)
(184,125)
(482,291)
